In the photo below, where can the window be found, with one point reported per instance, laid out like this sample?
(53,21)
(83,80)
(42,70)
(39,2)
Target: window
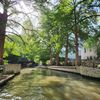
(90,57)
(84,50)
(87,58)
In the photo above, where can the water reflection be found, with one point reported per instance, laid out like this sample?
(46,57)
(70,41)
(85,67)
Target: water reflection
(50,85)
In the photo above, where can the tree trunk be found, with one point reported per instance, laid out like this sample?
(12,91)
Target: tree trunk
(76,48)
(3,22)
(66,56)
(2,40)
(51,56)
(76,33)
(57,58)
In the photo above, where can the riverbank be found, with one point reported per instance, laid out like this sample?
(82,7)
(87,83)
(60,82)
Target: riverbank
(5,78)
(84,71)
(44,84)
(8,72)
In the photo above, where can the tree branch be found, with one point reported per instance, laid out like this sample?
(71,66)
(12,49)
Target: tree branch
(87,18)
(9,38)
(84,19)
(18,24)
(18,36)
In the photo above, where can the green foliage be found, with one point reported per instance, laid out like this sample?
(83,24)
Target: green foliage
(56,24)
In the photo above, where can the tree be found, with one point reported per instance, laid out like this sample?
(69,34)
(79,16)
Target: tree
(3,22)
(9,6)
(81,12)
(55,32)
(81,15)
(63,16)
(94,41)
(87,16)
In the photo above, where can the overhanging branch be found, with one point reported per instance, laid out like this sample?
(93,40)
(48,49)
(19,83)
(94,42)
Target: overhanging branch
(18,24)
(85,19)
(9,38)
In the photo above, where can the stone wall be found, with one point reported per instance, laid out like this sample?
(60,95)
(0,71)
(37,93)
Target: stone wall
(82,70)
(12,68)
(0,75)
(1,70)
(87,71)
(90,63)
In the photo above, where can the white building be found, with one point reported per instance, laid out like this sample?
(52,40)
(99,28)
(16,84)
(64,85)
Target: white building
(88,53)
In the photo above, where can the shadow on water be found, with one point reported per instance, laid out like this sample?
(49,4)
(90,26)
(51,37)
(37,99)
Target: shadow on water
(42,84)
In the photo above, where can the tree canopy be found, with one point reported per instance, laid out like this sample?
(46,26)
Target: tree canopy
(67,24)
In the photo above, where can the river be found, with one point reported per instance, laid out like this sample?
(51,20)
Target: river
(41,84)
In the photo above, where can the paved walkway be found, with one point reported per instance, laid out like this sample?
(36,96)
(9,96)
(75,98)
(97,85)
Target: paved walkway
(85,71)
(63,68)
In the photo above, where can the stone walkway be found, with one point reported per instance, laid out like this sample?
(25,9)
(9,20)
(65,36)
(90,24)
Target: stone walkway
(63,68)
(84,71)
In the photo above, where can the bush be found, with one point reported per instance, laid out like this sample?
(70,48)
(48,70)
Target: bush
(98,66)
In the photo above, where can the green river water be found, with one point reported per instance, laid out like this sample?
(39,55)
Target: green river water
(41,84)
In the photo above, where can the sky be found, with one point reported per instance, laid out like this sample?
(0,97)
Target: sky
(34,14)
(26,9)
(1,8)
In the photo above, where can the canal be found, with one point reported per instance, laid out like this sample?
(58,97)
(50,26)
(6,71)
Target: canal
(41,84)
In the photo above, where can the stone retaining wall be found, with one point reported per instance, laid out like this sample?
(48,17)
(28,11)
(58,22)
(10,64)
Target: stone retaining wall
(1,70)
(0,75)
(92,72)
(12,68)
(90,63)
(86,71)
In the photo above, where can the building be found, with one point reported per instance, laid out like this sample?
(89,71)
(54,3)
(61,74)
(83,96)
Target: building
(88,53)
